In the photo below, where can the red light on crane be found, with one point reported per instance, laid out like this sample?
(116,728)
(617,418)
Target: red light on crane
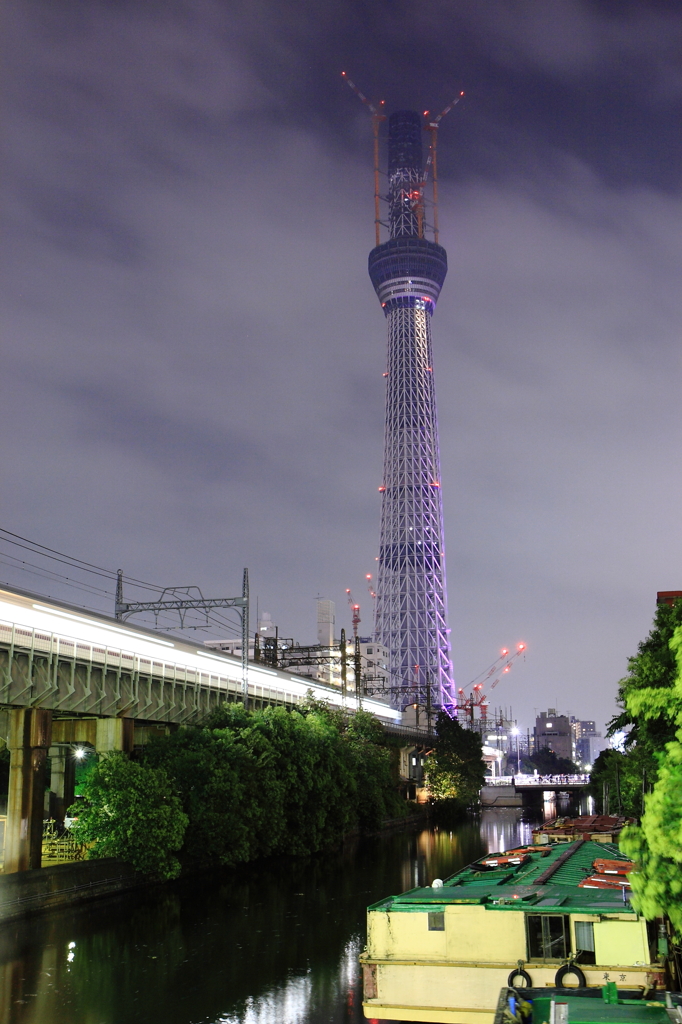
(521,647)
(504,651)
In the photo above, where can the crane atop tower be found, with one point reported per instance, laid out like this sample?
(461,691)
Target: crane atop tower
(377,118)
(416,196)
(432,162)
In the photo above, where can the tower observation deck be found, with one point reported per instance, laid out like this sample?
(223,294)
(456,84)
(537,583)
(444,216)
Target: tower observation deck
(408,272)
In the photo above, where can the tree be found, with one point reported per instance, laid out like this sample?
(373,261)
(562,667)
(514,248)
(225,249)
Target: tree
(247,784)
(618,781)
(131,812)
(656,845)
(273,781)
(549,763)
(650,707)
(455,770)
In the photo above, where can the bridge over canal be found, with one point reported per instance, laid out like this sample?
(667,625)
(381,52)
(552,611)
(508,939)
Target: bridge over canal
(69,676)
(515,790)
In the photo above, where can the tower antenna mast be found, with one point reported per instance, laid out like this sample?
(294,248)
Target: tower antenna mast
(377,118)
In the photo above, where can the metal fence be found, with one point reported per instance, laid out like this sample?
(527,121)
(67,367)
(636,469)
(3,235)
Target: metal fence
(539,780)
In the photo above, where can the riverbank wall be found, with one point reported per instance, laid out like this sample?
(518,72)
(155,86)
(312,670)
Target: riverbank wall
(28,892)
(32,892)
(501,796)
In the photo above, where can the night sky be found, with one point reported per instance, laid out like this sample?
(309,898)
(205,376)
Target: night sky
(193,352)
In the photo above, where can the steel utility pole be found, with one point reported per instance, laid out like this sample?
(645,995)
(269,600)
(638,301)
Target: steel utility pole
(182,603)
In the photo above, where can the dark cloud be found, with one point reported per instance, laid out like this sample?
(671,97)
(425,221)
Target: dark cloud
(193,353)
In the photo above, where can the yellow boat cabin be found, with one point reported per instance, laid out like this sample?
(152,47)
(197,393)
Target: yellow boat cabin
(552,916)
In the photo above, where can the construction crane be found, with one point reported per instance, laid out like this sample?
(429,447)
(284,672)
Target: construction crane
(478,698)
(355,611)
(377,118)
(432,162)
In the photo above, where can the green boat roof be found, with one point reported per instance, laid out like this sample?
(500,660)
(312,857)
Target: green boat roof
(546,883)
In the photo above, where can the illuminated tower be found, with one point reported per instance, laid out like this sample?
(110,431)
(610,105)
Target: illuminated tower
(407,273)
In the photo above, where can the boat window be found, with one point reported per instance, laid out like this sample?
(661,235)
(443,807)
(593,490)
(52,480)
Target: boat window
(437,921)
(549,937)
(584,941)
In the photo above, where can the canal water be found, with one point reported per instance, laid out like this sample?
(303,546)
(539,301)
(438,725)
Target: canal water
(271,943)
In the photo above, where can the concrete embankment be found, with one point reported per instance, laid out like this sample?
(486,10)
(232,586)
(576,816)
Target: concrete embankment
(29,892)
(26,892)
(500,796)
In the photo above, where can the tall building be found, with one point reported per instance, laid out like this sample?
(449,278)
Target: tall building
(407,272)
(554,732)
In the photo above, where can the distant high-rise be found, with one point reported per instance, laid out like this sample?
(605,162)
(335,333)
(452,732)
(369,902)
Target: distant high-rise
(407,273)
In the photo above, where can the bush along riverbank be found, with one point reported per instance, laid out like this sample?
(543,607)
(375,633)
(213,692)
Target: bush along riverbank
(244,785)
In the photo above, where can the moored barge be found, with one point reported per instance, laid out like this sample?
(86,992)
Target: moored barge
(533,916)
(602,828)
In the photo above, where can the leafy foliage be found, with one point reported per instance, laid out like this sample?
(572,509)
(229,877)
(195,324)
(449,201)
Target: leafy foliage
(653,701)
(548,762)
(650,706)
(618,780)
(455,770)
(272,781)
(656,845)
(131,812)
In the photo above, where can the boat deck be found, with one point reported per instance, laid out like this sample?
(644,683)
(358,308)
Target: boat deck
(548,878)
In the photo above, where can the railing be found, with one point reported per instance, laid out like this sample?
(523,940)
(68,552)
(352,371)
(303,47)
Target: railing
(59,846)
(538,780)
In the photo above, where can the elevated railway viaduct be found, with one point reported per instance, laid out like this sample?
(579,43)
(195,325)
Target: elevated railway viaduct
(71,677)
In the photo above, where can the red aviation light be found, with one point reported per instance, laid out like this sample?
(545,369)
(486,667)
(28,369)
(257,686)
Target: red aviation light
(368,576)
(521,647)
(504,651)
(382,489)
(384,375)
(434,483)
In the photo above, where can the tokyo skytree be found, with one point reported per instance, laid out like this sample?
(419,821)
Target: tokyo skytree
(408,272)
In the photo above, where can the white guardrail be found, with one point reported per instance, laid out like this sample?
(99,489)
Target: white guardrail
(538,780)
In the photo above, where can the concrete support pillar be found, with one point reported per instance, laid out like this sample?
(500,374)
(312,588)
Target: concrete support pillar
(29,741)
(62,780)
(115,734)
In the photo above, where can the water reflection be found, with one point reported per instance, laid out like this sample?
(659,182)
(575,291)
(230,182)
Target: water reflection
(505,828)
(271,942)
